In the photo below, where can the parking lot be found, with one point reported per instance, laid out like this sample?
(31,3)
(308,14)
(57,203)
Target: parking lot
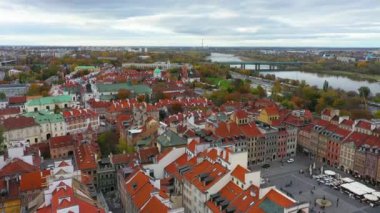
(282,174)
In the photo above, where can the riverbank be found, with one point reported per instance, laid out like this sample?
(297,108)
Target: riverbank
(350,75)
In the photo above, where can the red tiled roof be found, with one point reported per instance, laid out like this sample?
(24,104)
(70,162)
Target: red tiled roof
(85,156)
(61,141)
(18,122)
(326,112)
(147,154)
(33,180)
(155,205)
(278,198)
(63,164)
(347,122)
(241,114)
(238,198)
(364,125)
(75,113)
(122,158)
(239,173)
(191,146)
(251,130)
(136,182)
(63,197)
(17,100)
(272,110)
(16,166)
(225,130)
(10,111)
(214,172)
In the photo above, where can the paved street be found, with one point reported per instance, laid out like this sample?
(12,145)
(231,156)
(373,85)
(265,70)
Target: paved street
(281,175)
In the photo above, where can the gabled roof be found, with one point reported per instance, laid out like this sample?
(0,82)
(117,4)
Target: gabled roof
(251,130)
(61,141)
(364,124)
(272,110)
(18,123)
(205,174)
(10,111)
(17,100)
(238,199)
(192,145)
(50,100)
(154,205)
(16,166)
(85,156)
(170,139)
(241,114)
(273,201)
(63,196)
(239,173)
(33,180)
(147,154)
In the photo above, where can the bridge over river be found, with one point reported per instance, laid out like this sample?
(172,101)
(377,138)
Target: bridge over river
(269,65)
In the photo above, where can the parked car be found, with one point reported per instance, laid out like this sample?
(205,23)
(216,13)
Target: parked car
(265,166)
(290,160)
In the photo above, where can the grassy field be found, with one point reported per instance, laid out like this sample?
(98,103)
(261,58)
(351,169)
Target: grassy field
(219,82)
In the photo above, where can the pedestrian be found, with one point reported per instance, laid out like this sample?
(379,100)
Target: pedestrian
(314,187)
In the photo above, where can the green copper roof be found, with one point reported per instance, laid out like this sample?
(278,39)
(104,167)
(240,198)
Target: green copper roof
(269,206)
(137,89)
(50,100)
(144,142)
(157,71)
(84,68)
(170,138)
(44,116)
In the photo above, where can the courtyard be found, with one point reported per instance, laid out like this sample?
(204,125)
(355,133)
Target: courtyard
(300,186)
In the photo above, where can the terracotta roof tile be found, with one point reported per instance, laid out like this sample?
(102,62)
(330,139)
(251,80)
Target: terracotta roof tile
(19,122)
(239,173)
(16,166)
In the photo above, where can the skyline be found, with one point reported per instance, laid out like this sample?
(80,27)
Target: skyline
(317,23)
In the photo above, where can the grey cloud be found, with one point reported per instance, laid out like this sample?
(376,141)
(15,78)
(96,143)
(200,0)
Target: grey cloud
(247,20)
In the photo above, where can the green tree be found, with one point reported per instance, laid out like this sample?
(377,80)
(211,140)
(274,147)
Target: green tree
(2,96)
(377,114)
(325,85)
(261,91)
(107,142)
(123,94)
(364,93)
(276,90)
(2,145)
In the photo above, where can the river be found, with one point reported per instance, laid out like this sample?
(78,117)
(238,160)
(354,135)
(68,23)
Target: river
(314,79)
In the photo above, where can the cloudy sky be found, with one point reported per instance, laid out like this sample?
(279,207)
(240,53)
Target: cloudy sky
(335,23)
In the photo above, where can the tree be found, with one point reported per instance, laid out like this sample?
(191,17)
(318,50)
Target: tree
(2,145)
(325,85)
(2,96)
(276,90)
(261,91)
(364,93)
(107,142)
(57,110)
(176,108)
(377,114)
(123,94)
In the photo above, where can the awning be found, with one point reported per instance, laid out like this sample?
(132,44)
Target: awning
(347,180)
(357,188)
(371,197)
(329,172)
(377,194)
